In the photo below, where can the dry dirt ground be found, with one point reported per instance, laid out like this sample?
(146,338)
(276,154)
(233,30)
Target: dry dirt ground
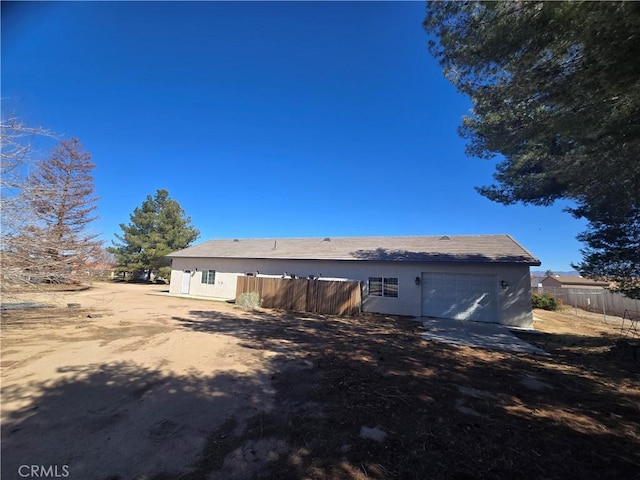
(133,385)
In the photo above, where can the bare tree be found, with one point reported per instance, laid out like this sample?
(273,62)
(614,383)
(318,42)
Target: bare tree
(17,156)
(46,215)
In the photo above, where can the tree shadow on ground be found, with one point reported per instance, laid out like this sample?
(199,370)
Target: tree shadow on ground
(342,398)
(126,421)
(447,412)
(604,354)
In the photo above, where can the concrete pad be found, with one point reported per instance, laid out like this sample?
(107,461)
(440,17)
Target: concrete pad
(491,336)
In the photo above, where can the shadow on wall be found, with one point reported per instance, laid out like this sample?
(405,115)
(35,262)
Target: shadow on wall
(515,297)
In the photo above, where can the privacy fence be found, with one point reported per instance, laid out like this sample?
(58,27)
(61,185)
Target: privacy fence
(302,295)
(594,300)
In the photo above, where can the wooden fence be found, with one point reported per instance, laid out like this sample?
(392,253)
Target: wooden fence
(594,300)
(302,295)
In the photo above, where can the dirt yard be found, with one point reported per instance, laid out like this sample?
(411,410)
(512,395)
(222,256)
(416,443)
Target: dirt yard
(133,384)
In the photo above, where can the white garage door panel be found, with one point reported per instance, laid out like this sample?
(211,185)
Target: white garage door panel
(460,296)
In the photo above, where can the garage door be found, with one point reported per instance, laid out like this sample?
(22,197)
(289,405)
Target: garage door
(460,296)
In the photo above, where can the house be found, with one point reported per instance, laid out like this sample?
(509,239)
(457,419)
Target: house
(536,282)
(572,281)
(470,277)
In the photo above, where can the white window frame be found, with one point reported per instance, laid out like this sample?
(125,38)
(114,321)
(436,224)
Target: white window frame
(206,276)
(388,286)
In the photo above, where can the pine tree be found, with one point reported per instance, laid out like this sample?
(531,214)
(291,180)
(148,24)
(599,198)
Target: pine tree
(158,227)
(555,88)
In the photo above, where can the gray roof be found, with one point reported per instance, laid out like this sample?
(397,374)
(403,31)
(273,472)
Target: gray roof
(448,248)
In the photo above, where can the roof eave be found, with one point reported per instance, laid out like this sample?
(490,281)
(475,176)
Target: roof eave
(532,263)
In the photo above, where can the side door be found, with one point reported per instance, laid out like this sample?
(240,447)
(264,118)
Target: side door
(186,281)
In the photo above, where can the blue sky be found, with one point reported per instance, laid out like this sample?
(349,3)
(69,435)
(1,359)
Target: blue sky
(283,119)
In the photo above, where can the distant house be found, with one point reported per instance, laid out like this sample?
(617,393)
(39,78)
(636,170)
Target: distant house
(99,269)
(571,281)
(536,281)
(472,277)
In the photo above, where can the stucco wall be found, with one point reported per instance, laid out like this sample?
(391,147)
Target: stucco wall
(514,300)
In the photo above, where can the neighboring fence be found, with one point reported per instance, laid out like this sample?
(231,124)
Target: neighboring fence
(594,300)
(302,295)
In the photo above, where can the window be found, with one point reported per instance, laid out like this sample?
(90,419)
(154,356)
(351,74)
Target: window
(375,286)
(209,276)
(383,287)
(390,286)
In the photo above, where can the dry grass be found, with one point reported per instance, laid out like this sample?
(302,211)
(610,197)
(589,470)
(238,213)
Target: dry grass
(449,412)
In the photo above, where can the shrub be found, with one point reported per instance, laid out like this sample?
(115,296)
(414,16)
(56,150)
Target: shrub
(164,274)
(249,300)
(545,301)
